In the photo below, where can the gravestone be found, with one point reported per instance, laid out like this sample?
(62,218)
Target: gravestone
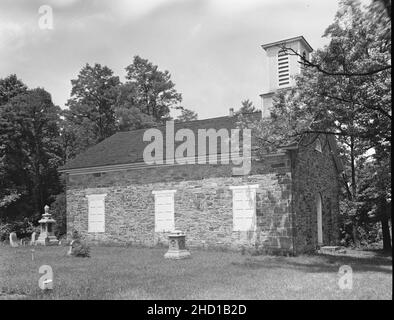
(73,245)
(78,249)
(13,240)
(34,238)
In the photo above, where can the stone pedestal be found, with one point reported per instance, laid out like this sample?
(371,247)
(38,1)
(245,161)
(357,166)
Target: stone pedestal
(47,236)
(177,247)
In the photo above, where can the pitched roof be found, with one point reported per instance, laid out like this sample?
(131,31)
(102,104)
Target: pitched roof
(128,147)
(281,42)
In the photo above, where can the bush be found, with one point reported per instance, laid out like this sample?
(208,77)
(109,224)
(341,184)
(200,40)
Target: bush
(23,229)
(5,230)
(78,247)
(356,230)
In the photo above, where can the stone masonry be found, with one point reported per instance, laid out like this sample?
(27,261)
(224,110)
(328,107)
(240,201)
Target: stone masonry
(285,203)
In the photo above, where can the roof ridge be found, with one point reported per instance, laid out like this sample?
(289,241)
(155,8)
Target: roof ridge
(191,121)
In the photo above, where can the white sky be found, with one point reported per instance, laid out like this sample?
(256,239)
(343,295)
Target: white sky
(211,47)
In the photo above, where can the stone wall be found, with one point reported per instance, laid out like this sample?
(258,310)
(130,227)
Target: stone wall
(314,173)
(203,204)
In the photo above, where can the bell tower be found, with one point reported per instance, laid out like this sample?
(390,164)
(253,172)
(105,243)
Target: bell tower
(282,66)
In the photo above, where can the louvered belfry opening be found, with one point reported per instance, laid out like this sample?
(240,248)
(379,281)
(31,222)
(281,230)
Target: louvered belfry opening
(283,68)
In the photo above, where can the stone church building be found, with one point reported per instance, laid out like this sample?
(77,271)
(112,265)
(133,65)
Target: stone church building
(287,202)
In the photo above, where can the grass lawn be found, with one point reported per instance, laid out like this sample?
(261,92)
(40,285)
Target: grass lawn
(143,273)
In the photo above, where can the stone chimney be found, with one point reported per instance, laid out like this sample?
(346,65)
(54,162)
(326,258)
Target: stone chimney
(231,114)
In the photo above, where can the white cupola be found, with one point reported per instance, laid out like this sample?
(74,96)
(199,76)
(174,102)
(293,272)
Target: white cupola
(282,66)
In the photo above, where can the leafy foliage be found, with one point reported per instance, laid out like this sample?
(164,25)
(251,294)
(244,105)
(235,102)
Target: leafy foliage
(30,153)
(79,248)
(10,87)
(154,92)
(91,116)
(345,90)
(23,229)
(247,107)
(187,115)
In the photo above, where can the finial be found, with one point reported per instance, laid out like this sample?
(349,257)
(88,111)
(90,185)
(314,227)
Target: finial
(46,209)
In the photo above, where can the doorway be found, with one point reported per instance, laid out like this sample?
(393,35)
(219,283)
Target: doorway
(319,219)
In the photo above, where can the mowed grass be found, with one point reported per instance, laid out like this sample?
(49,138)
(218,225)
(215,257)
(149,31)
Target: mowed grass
(143,273)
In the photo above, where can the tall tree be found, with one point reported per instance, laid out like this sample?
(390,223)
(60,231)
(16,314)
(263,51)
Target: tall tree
(155,93)
(31,152)
(91,106)
(345,90)
(10,87)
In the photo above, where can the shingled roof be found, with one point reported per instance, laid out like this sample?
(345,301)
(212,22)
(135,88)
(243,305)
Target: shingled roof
(128,147)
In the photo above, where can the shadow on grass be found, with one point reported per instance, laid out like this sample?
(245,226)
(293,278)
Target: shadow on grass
(321,263)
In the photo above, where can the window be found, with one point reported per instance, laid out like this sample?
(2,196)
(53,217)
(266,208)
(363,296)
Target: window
(318,146)
(283,68)
(96,212)
(164,210)
(244,207)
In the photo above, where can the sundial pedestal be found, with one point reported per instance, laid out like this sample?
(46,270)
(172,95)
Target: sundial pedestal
(177,247)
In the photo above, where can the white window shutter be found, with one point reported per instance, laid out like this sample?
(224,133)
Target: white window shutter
(164,210)
(244,207)
(96,212)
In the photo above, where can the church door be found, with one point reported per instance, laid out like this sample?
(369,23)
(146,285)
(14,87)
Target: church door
(319,220)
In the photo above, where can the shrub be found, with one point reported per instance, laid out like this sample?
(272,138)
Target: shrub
(23,229)
(79,248)
(5,230)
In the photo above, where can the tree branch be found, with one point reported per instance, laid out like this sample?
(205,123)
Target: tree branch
(308,63)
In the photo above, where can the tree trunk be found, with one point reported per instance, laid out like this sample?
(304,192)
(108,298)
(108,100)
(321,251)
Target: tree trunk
(353,189)
(386,230)
(353,167)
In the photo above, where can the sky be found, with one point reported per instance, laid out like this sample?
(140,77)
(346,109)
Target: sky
(212,48)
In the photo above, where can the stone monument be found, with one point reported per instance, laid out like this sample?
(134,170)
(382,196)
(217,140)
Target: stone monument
(33,240)
(47,236)
(13,240)
(177,247)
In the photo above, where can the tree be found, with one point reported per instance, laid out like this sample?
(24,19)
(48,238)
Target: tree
(344,90)
(31,151)
(378,15)
(10,87)
(374,195)
(128,111)
(154,92)
(91,106)
(186,115)
(247,107)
